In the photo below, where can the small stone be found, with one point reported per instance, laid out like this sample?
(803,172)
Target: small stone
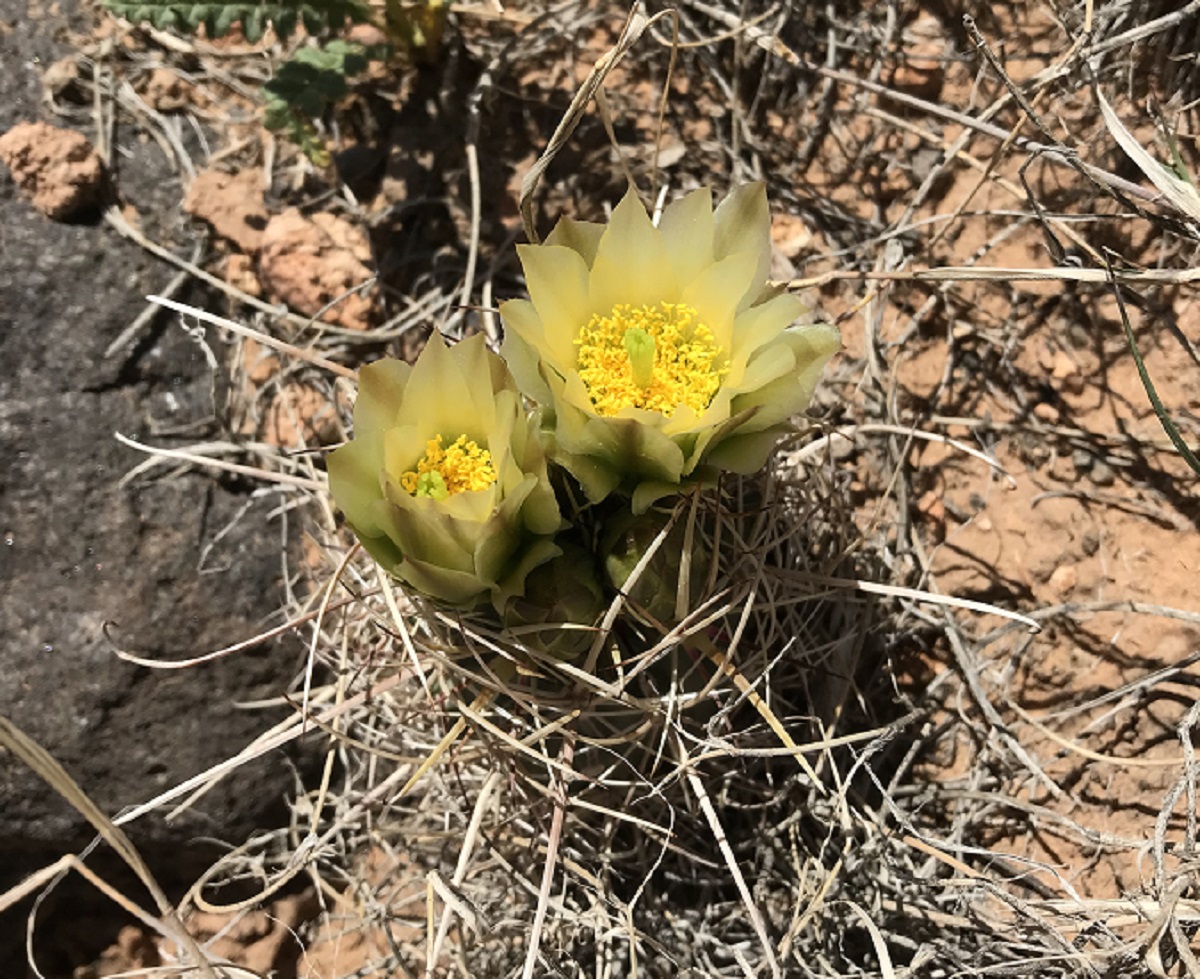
(1083,460)
(368,35)
(1045,411)
(1102,474)
(1063,366)
(932,505)
(790,235)
(1064,578)
(1067,373)
(59,80)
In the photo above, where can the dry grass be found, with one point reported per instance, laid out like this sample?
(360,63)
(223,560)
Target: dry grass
(752,791)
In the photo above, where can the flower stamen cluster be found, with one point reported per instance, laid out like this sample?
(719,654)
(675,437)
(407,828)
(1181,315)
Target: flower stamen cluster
(651,357)
(441,472)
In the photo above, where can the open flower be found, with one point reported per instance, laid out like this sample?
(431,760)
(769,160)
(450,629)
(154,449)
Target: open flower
(662,355)
(445,482)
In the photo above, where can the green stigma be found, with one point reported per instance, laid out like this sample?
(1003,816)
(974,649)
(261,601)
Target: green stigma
(639,345)
(431,484)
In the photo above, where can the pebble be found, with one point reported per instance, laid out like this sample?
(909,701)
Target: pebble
(1102,474)
(1064,579)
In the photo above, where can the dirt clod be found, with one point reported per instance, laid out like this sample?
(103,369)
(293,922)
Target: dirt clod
(259,362)
(314,263)
(300,416)
(1064,578)
(232,204)
(133,949)
(57,168)
(262,940)
(164,91)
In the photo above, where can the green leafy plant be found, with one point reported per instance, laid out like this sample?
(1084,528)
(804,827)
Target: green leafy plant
(219,18)
(312,80)
(315,77)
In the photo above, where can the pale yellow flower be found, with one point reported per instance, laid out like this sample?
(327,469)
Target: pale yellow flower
(661,355)
(445,481)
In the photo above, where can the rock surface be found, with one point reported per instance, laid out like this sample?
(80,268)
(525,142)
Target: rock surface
(77,549)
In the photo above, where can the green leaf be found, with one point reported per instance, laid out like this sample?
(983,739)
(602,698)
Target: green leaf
(1160,409)
(277,114)
(219,17)
(304,88)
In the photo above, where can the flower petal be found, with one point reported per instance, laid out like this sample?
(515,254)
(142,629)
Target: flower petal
(501,535)
(743,224)
(579,236)
(381,547)
(744,453)
(423,530)
(592,472)
(557,278)
(403,447)
(524,339)
(632,264)
(446,584)
(719,290)
(809,348)
(381,388)
(354,471)
(648,493)
(470,508)
(438,399)
(513,583)
(761,324)
(629,447)
(475,364)
(687,228)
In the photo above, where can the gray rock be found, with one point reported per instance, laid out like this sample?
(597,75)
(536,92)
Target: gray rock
(77,550)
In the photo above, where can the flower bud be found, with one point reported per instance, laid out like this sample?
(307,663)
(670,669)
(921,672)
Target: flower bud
(626,540)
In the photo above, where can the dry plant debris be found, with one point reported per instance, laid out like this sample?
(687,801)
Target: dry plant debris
(962,796)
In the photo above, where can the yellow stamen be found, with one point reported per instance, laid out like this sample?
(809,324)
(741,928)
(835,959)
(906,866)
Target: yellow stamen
(443,472)
(651,357)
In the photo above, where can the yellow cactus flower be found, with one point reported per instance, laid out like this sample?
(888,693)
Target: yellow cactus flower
(445,480)
(661,355)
